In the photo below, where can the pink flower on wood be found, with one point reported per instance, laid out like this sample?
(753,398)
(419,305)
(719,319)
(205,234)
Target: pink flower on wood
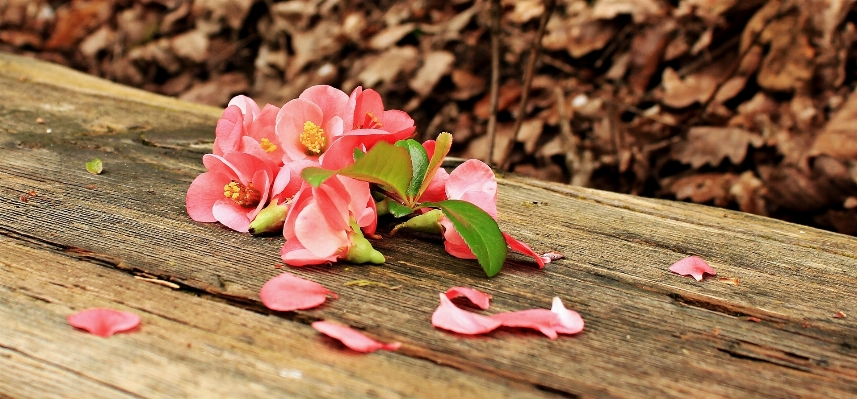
(288,292)
(244,127)
(478,298)
(449,317)
(104,322)
(692,266)
(309,124)
(352,338)
(366,123)
(319,228)
(233,191)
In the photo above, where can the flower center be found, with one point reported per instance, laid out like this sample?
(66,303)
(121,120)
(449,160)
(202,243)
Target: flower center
(246,196)
(268,146)
(369,122)
(313,138)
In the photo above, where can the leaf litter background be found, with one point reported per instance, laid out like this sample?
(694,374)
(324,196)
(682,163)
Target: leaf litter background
(744,104)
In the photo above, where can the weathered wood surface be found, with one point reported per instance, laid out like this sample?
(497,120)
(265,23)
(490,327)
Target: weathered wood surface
(649,333)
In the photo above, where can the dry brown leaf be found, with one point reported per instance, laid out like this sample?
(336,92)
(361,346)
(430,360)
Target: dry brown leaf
(233,12)
(390,36)
(524,10)
(509,93)
(192,45)
(467,84)
(20,38)
(435,66)
(640,10)
(530,132)
(313,46)
(217,91)
(647,49)
(75,20)
(579,36)
(709,145)
(702,188)
(749,193)
(839,137)
(389,65)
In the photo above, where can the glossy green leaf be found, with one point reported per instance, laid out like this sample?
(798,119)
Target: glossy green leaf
(442,145)
(398,210)
(385,164)
(419,164)
(478,230)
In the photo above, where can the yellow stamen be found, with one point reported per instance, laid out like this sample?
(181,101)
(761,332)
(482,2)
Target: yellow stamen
(268,146)
(246,196)
(313,138)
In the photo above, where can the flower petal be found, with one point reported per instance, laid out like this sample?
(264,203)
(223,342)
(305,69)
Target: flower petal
(449,317)
(570,321)
(201,198)
(104,322)
(352,338)
(523,248)
(538,319)
(293,253)
(288,292)
(477,297)
(693,266)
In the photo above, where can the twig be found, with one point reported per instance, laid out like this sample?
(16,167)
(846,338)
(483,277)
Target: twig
(495,79)
(528,79)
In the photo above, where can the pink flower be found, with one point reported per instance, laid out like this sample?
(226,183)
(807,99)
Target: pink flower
(245,128)
(324,222)
(309,124)
(472,181)
(693,266)
(449,317)
(478,298)
(288,292)
(233,191)
(104,322)
(351,338)
(366,123)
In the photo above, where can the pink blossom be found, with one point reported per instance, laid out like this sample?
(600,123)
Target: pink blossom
(309,124)
(288,292)
(244,127)
(104,322)
(449,317)
(352,338)
(320,226)
(478,298)
(693,266)
(366,123)
(233,191)
(473,181)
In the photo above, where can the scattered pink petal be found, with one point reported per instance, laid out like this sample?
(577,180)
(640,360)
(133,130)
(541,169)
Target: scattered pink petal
(352,338)
(570,321)
(288,292)
(523,248)
(693,266)
(450,317)
(477,297)
(551,256)
(538,319)
(839,315)
(104,322)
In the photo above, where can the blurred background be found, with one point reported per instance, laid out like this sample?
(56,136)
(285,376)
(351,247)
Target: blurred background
(742,104)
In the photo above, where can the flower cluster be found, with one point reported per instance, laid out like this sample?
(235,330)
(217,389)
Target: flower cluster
(322,167)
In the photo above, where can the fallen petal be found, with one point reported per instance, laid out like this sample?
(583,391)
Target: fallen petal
(523,248)
(449,317)
(103,322)
(288,292)
(693,266)
(570,321)
(551,256)
(477,297)
(543,320)
(352,338)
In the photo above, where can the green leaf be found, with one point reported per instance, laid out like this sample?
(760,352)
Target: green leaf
(358,153)
(94,166)
(398,210)
(441,148)
(385,164)
(419,164)
(479,231)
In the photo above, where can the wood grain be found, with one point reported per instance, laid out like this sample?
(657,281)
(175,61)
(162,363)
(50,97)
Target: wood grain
(649,333)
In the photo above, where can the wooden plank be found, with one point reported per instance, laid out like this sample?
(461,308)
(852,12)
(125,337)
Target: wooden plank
(187,346)
(649,332)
